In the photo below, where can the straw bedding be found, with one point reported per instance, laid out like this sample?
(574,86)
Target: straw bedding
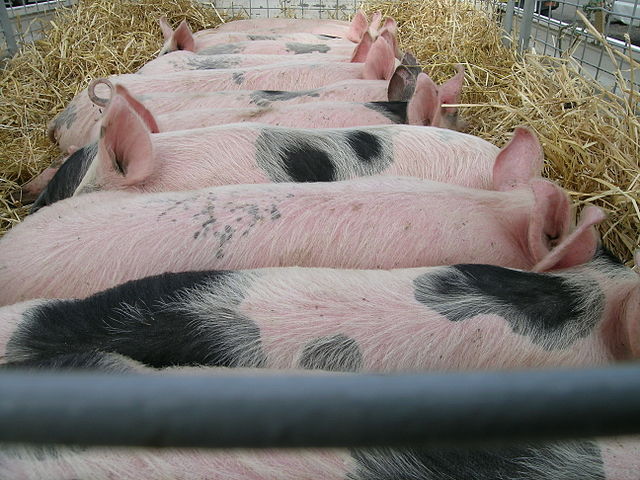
(591,138)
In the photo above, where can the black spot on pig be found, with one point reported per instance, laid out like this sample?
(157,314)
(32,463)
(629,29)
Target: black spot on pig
(66,180)
(279,95)
(337,353)
(308,155)
(253,38)
(394,111)
(66,117)
(575,460)
(238,78)
(171,319)
(299,48)
(223,48)
(324,36)
(307,165)
(365,145)
(554,310)
(212,63)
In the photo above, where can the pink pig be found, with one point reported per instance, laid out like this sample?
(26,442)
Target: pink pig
(448,318)
(424,108)
(351,30)
(76,125)
(183,38)
(130,157)
(182,60)
(85,244)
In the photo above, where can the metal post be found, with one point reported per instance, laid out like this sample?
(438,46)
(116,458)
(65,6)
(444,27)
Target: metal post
(525,25)
(317,410)
(7,28)
(507,23)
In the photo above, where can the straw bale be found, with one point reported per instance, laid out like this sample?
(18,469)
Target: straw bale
(591,138)
(94,38)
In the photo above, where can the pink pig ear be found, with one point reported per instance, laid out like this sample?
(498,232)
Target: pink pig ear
(381,62)
(358,26)
(125,143)
(579,246)
(519,161)
(184,38)
(374,26)
(361,52)
(424,106)
(552,244)
(392,40)
(167,31)
(146,116)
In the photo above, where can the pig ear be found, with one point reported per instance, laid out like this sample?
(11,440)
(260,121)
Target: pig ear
(145,115)
(380,62)
(392,40)
(451,90)
(167,31)
(361,52)
(402,85)
(391,25)
(125,143)
(424,106)
(578,247)
(411,63)
(184,38)
(374,26)
(358,26)
(519,161)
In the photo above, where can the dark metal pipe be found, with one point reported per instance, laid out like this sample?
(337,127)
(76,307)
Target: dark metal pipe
(317,410)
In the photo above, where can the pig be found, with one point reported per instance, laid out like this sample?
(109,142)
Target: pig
(424,108)
(459,317)
(66,251)
(128,156)
(73,125)
(181,61)
(352,30)
(602,459)
(183,39)
(248,54)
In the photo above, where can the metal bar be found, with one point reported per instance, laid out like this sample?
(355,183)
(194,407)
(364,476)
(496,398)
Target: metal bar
(525,25)
(507,23)
(7,28)
(320,410)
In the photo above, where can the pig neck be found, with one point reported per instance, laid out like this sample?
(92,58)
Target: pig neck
(621,316)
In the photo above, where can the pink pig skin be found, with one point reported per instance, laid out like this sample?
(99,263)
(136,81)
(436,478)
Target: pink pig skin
(380,320)
(73,125)
(60,463)
(181,61)
(85,244)
(256,153)
(183,39)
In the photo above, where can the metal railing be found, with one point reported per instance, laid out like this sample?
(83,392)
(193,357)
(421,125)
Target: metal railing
(317,410)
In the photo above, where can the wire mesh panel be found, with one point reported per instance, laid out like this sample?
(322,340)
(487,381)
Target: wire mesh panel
(25,21)
(338,9)
(556,28)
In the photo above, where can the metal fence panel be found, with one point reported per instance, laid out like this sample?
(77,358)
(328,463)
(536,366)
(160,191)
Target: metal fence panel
(24,21)
(338,9)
